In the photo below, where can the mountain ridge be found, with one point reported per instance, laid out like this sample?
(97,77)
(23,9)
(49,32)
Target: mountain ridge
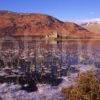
(33,24)
(92,26)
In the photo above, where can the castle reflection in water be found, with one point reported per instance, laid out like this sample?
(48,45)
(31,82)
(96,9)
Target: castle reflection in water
(47,56)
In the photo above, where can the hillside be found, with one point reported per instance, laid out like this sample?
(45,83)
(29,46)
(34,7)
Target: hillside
(30,24)
(92,26)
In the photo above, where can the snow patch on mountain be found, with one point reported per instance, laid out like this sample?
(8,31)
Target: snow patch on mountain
(88,21)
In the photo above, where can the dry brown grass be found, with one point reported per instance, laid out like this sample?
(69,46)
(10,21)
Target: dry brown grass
(87,88)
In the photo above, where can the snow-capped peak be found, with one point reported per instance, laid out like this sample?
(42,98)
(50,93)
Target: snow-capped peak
(96,20)
(88,21)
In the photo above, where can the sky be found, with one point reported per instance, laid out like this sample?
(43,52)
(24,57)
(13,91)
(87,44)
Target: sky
(61,9)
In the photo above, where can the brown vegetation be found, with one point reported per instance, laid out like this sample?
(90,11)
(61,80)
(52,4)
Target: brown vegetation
(19,24)
(87,88)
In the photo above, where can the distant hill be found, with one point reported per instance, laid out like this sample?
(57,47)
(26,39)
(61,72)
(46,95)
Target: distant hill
(93,26)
